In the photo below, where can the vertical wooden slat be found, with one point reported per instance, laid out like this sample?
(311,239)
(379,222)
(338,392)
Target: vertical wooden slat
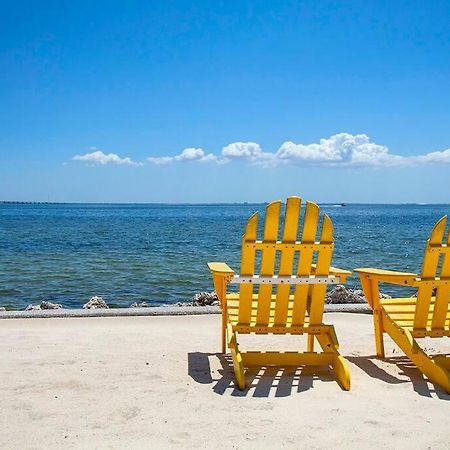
(429,266)
(290,229)
(318,291)
(271,224)
(247,268)
(304,263)
(442,292)
(446,272)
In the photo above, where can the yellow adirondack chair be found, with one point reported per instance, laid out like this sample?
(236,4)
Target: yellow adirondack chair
(428,315)
(278,300)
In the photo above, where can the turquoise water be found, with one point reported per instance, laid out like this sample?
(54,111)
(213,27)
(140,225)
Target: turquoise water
(158,253)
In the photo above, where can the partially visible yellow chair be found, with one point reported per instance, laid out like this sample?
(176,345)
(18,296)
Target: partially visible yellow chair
(282,290)
(427,315)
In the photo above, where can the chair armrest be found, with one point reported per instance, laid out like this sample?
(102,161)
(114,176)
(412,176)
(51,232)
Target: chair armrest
(222,273)
(340,273)
(221,269)
(335,271)
(389,276)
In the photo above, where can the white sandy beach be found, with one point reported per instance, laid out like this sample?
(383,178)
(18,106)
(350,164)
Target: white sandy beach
(158,382)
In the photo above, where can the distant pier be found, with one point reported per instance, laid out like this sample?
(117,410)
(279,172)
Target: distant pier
(10,202)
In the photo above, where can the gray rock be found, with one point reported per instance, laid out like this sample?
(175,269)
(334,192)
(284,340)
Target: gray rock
(140,305)
(205,299)
(95,303)
(341,294)
(31,307)
(2,308)
(50,305)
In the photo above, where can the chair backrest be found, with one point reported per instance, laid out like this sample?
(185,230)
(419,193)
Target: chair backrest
(289,255)
(435,282)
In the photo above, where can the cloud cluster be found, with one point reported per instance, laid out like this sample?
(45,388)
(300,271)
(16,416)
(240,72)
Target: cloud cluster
(343,149)
(188,154)
(340,149)
(98,157)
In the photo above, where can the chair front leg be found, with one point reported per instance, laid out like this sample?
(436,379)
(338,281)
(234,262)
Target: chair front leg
(372,294)
(377,319)
(224,332)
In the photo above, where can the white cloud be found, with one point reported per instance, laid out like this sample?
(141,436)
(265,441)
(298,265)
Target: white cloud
(342,148)
(98,157)
(248,150)
(435,157)
(188,154)
(192,154)
(242,150)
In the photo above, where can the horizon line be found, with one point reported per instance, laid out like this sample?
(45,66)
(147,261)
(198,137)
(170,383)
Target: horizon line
(26,202)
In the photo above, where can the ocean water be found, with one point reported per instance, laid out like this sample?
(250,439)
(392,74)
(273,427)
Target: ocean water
(67,253)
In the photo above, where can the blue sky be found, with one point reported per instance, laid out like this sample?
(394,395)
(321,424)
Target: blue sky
(211,101)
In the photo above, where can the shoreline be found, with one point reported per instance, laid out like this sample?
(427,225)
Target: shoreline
(153,311)
(339,297)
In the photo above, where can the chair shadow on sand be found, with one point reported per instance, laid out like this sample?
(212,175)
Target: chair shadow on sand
(260,381)
(284,381)
(406,368)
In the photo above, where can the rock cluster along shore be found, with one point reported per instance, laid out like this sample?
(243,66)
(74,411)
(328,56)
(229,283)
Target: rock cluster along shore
(43,305)
(140,305)
(205,299)
(95,303)
(338,295)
